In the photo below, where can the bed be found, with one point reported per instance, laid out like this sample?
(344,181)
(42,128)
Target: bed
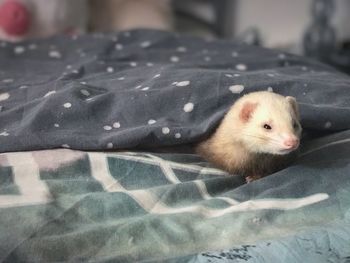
(81,177)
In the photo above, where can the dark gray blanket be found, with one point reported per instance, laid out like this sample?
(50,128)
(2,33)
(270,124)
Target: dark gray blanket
(148,88)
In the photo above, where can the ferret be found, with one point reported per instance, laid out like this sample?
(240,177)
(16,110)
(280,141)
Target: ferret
(259,135)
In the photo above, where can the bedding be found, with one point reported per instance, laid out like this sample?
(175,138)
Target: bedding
(148,89)
(98,94)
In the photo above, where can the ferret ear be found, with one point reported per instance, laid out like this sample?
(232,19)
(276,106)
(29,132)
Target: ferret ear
(293,102)
(247,110)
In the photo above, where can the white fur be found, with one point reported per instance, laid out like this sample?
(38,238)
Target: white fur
(241,145)
(272,109)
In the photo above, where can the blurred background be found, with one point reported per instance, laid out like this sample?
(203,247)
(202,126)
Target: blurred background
(315,28)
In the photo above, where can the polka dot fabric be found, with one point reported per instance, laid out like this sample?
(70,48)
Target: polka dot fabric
(148,88)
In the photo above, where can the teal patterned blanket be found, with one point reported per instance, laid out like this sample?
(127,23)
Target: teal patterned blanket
(71,206)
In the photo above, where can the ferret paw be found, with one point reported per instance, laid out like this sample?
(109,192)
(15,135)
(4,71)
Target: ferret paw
(252,178)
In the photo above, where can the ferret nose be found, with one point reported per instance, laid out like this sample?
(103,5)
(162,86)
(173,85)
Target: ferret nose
(14,18)
(291,142)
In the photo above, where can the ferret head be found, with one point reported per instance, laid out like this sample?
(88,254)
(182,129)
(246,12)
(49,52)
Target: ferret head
(269,123)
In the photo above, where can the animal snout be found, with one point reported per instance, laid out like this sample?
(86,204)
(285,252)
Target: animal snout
(14,18)
(291,143)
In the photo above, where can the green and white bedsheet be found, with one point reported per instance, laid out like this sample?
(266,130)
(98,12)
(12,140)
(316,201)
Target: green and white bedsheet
(69,206)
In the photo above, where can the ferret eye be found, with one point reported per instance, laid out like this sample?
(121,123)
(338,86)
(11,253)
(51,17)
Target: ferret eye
(267,127)
(295,125)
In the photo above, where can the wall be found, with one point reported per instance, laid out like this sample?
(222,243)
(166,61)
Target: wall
(282,22)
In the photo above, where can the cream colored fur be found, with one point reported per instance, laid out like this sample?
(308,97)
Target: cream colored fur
(246,147)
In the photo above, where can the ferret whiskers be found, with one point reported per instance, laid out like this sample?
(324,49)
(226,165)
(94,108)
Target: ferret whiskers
(258,136)
(276,142)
